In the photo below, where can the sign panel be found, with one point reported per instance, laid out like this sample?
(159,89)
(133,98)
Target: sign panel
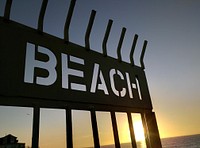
(41,66)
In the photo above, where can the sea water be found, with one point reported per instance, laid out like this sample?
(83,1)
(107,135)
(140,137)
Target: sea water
(192,141)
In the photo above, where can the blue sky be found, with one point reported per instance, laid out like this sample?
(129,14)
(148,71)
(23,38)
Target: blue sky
(172,56)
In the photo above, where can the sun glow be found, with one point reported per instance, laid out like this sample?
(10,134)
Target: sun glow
(138,130)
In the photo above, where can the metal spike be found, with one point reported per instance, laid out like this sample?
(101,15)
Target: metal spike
(133,49)
(142,54)
(68,20)
(120,44)
(41,16)
(105,39)
(89,28)
(7,9)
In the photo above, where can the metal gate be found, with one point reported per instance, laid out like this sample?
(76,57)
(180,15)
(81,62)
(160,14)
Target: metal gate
(39,70)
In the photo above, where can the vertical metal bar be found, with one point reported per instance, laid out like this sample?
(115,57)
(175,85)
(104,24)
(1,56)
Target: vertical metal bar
(115,130)
(68,20)
(41,16)
(146,131)
(36,123)
(89,28)
(69,128)
(131,130)
(105,39)
(120,44)
(95,129)
(7,9)
(142,54)
(133,49)
(153,133)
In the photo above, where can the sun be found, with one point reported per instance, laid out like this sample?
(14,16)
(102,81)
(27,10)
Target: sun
(138,130)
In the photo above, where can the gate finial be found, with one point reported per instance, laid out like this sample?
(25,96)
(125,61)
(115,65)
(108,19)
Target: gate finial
(142,54)
(133,49)
(89,28)
(41,16)
(68,20)
(120,44)
(105,39)
(7,9)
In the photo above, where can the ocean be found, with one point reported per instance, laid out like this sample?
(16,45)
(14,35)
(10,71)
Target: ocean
(192,141)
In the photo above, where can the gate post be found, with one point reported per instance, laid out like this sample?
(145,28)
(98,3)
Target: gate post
(152,130)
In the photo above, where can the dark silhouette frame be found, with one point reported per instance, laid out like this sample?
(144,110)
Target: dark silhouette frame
(16,91)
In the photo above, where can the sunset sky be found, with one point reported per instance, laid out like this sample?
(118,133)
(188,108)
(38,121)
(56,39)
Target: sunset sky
(172,56)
